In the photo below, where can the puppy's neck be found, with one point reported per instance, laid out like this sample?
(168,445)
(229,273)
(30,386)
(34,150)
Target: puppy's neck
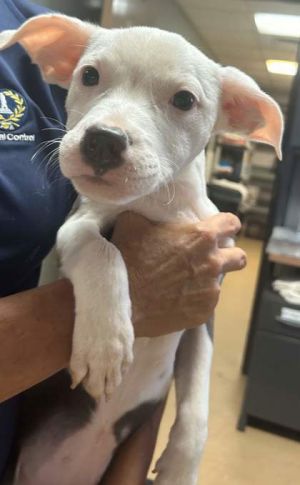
(184,198)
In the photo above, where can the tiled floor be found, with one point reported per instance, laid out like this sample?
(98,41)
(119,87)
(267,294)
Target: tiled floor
(231,457)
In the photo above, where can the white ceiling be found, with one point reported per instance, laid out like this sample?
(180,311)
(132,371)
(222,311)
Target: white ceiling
(228,33)
(225,30)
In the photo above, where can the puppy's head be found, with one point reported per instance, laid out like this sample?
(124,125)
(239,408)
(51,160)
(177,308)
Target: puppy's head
(142,103)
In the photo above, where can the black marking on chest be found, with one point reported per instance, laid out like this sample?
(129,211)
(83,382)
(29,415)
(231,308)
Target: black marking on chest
(133,419)
(55,398)
(52,400)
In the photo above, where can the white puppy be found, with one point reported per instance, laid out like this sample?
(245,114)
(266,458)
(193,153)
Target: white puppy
(142,105)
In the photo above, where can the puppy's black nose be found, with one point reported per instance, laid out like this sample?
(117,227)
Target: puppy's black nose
(102,148)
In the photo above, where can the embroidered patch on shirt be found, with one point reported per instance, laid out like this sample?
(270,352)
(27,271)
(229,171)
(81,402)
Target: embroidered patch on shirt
(13,111)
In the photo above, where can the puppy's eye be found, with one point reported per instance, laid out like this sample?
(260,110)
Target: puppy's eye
(90,76)
(183,100)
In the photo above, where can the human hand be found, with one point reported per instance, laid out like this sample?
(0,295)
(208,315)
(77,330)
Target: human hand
(132,460)
(174,269)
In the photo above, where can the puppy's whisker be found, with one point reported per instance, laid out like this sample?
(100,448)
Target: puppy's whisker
(53,119)
(76,111)
(52,155)
(45,145)
(39,150)
(171,197)
(53,162)
(52,167)
(42,143)
(45,158)
(52,142)
(55,129)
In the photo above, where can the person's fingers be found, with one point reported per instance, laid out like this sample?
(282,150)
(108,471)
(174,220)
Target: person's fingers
(206,233)
(223,224)
(233,259)
(128,221)
(209,234)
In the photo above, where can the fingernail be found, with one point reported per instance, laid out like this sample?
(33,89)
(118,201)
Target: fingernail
(243,261)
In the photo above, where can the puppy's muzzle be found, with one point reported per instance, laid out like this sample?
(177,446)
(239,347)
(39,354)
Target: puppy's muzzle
(102,148)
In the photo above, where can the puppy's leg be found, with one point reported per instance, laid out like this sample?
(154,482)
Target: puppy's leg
(103,334)
(180,461)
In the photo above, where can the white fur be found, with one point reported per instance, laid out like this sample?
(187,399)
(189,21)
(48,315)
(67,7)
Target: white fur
(162,178)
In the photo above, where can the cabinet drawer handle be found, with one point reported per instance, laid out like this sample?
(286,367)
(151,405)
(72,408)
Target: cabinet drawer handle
(288,323)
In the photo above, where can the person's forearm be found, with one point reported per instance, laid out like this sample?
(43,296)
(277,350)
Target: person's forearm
(36,329)
(35,334)
(133,458)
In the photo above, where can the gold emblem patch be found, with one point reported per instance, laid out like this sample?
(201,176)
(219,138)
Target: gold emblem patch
(12,109)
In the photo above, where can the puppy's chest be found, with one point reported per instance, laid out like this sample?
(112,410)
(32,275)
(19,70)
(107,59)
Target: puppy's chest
(145,385)
(177,209)
(146,382)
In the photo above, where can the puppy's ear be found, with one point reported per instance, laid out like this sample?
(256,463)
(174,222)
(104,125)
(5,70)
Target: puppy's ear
(247,110)
(54,42)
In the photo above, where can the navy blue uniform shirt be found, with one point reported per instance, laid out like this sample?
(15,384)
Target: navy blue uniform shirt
(34,197)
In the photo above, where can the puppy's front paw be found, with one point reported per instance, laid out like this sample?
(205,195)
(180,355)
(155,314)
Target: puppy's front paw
(102,352)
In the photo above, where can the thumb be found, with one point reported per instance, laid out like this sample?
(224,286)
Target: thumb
(130,225)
